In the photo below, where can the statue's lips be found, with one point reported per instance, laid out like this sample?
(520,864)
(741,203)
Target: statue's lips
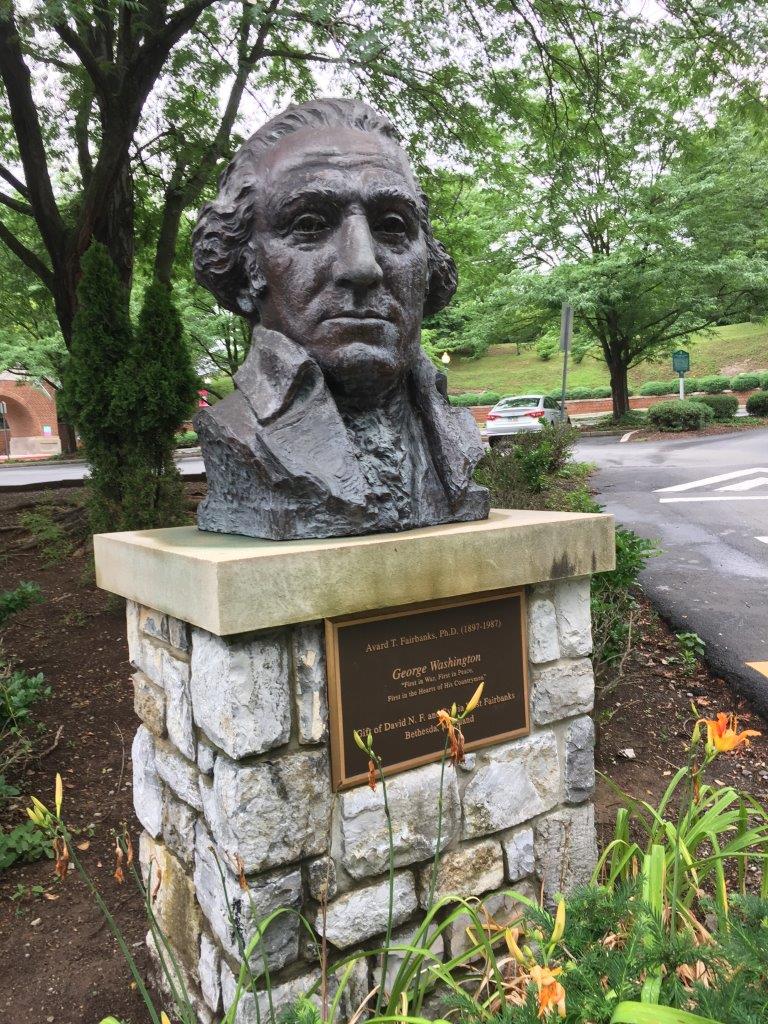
(359,316)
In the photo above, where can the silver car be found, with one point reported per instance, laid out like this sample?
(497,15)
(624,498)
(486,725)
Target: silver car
(521,413)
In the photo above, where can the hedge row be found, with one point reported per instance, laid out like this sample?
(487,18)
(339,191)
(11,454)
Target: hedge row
(714,385)
(757,404)
(676,415)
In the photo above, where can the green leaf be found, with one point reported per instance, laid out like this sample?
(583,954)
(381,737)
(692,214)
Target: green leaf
(638,1013)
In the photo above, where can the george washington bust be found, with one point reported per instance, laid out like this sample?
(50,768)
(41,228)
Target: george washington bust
(339,424)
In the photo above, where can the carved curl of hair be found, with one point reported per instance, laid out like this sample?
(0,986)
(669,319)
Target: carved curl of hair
(224,255)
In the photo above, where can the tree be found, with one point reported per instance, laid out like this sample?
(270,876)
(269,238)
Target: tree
(648,221)
(127,390)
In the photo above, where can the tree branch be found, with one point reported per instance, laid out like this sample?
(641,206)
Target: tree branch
(86,57)
(16,204)
(11,178)
(27,257)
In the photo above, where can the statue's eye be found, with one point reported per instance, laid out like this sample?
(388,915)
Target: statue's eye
(391,224)
(308,224)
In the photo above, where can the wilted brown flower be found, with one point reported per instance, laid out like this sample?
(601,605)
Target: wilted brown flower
(372,775)
(128,851)
(61,867)
(240,864)
(119,876)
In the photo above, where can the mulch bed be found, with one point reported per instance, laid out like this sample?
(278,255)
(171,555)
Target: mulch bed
(58,961)
(743,423)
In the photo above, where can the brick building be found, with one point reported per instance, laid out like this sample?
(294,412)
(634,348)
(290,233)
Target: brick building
(29,425)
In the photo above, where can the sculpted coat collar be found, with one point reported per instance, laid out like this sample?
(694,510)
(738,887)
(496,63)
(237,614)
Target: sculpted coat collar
(301,434)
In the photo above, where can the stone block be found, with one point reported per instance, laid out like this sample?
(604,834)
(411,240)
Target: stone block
(562,690)
(321,878)
(517,781)
(178,634)
(566,849)
(147,790)
(574,617)
(468,870)
(181,775)
(579,760)
(272,812)
(543,644)
(206,755)
(241,691)
(407,937)
(308,648)
(179,827)
(175,906)
(266,893)
(209,972)
(149,703)
(284,994)
(518,854)
(499,910)
(178,714)
(413,803)
(143,653)
(360,914)
(153,623)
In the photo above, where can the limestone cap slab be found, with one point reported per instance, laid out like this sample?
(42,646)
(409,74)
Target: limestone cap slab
(228,584)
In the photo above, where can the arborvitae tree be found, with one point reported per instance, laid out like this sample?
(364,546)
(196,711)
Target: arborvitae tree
(159,388)
(101,337)
(127,390)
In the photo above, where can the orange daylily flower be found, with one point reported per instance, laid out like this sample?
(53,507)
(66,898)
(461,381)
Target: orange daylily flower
(61,852)
(551,992)
(723,732)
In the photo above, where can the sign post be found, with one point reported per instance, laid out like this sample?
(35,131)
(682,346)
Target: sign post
(681,364)
(566,331)
(6,430)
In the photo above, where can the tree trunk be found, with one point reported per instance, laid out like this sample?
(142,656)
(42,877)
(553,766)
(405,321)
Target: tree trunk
(67,437)
(619,389)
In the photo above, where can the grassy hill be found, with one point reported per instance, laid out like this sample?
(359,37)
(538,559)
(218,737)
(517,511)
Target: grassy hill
(729,350)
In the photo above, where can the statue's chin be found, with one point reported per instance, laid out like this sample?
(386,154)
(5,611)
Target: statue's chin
(363,373)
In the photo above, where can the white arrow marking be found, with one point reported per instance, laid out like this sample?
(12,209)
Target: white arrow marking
(745,485)
(712,480)
(763,539)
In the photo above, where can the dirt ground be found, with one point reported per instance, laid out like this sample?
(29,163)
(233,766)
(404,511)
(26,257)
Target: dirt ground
(58,961)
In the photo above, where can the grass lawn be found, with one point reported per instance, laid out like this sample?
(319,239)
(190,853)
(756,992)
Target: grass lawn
(729,350)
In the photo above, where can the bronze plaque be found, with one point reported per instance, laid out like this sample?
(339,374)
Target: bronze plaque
(390,671)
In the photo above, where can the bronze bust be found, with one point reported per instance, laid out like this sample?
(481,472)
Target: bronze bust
(339,424)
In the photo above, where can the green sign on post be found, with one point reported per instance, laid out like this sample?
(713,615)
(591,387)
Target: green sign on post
(681,361)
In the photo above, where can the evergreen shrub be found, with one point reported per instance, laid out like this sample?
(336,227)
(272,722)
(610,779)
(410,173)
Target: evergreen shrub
(724,407)
(464,400)
(757,404)
(714,385)
(745,382)
(488,398)
(657,387)
(127,390)
(675,416)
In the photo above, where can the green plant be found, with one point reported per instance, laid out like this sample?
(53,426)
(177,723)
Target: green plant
(745,382)
(655,387)
(518,472)
(757,404)
(676,416)
(713,385)
(49,536)
(489,398)
(23,844)
(724,407)
(464,400)
(635,418)
(692,648)
(187,439)
(764,381)
(18,692)
(13,601)
(546,347)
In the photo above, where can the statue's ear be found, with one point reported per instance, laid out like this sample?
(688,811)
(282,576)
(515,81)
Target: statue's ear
(442,277)
(252,286)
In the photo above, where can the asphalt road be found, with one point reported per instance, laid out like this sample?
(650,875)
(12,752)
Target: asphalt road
(23,476)
(706,500)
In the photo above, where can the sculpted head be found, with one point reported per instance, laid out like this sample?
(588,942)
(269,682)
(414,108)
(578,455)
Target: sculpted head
(320,232)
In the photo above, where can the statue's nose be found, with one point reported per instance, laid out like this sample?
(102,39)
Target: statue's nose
(356,265)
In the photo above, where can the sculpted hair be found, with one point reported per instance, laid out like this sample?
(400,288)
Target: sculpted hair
(223,250)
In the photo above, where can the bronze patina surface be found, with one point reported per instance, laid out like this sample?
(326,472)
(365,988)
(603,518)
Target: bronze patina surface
(339,424)
(389,672)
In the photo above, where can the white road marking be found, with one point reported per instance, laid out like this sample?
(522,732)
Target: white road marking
(717,497)
(627,436)
(745,485)
(763,539)
(712,480)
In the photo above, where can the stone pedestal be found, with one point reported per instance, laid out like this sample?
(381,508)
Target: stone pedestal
(231,760)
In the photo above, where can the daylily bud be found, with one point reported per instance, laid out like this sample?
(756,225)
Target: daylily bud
(557,931)
(164,1017)
(474,699)
(59,794)
(511,940)
(454,709)
(359,741)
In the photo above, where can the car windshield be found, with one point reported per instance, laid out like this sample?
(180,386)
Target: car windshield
(524,402)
